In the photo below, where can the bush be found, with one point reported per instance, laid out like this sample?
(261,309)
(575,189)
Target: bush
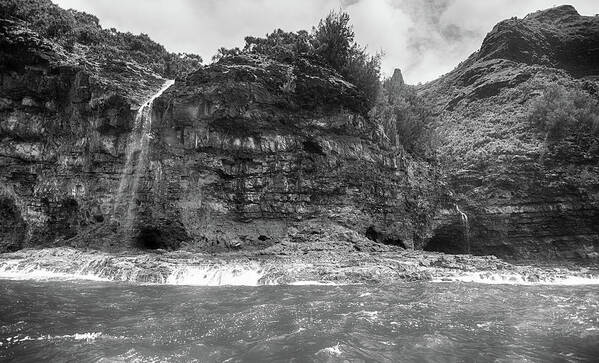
(405,119)
(561,113)
(70,27)
(223,52)
(280,45)
(331,42)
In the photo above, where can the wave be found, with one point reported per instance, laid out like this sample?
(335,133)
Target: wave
(133,269)
(184,268)
(546,277)
(88,337)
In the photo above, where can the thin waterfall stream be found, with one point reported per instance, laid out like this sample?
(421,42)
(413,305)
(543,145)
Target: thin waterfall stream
(136,162)
(466,225)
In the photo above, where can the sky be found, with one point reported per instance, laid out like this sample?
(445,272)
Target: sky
(424,38)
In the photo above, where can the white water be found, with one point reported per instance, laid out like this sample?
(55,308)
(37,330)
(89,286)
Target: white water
(232,275)
(556,277)
(70,264)
(136,161)
(88,337)
(199,270)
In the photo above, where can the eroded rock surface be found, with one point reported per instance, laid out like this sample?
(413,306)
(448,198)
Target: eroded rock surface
(64,123)
(526,196)
(248,147)
(243,152)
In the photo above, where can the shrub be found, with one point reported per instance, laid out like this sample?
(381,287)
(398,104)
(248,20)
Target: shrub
(280,45)
(405,119)
(223,52)
(69,27)
(331,42)
(561,113)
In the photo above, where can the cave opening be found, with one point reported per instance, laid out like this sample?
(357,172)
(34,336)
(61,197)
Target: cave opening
(12,226)
(450,239)
(380,237)
(312,147)
(149,239)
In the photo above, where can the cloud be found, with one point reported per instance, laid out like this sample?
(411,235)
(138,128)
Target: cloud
(425,38)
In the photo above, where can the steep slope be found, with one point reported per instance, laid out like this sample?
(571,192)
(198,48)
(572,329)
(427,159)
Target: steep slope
(527,194)
(67,105)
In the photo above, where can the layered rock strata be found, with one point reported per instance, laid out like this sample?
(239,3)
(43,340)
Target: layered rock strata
(526,196)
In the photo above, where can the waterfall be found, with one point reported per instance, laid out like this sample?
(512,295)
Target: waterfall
(136,162)
(466,226)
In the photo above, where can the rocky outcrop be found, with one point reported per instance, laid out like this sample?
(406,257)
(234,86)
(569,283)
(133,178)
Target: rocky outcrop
(558,37)
(63,128)
(525,196)
(243,153)
(334,264)
(247,149)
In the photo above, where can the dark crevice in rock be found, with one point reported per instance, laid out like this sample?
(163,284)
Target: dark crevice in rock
(12,227)
(374,235)
(312,147)
(448,239)
(149,239)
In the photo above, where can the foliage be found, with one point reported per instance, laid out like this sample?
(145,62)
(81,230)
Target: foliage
(223,52)
(405,119)
(280,45)
(561,113)
(331,42)
(70,27)
(334,42)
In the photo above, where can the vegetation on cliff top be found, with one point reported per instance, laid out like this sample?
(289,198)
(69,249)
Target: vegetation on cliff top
(331,42)
(403,117)
(72,29)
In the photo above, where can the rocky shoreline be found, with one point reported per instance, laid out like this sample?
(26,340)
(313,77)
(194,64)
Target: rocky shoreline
(274,266)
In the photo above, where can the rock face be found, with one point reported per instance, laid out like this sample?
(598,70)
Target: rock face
(243,153)
(63,128)
(254,154)
(247,148)
(525,196)
(558,37)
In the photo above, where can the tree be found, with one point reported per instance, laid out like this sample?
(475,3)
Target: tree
(333,40)
(561,113)
(405,118)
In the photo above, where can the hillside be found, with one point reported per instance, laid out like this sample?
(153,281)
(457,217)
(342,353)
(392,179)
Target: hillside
(530,188)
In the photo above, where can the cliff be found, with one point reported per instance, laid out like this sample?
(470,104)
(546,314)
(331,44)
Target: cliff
(245,153)
(66,109)
(527,192)
(249,149)
(266,154)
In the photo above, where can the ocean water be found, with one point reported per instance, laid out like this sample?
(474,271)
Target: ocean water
(96,321)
